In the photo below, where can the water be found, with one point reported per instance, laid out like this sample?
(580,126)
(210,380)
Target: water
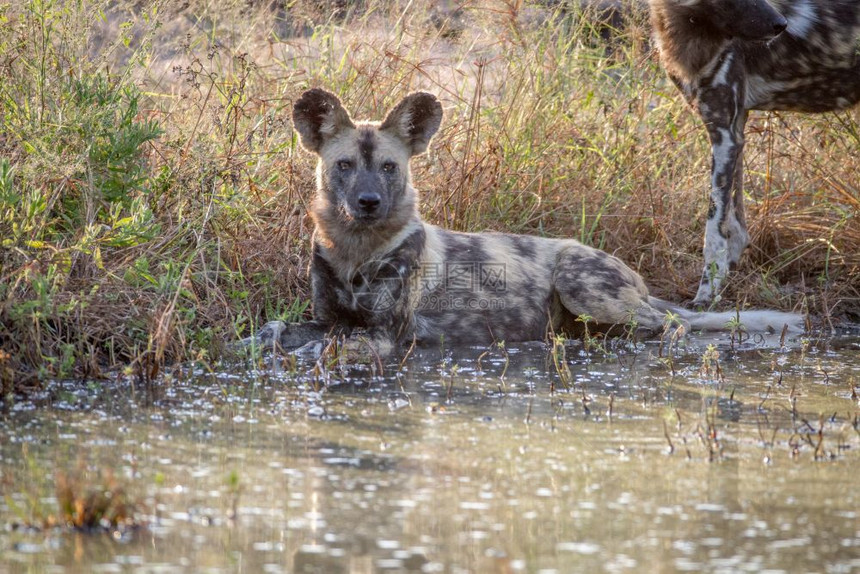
(743,460)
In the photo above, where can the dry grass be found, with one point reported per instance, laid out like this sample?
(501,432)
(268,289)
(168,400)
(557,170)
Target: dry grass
(129,250)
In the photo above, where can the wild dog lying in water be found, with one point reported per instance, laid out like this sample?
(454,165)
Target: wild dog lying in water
(731,56)
(380,275)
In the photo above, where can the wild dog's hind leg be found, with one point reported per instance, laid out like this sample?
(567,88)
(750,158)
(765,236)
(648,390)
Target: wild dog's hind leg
(721,107)
(739,237)
(726,234)
(595,284)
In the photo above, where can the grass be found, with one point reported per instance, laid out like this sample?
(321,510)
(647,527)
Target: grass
(85,499)
(153,195)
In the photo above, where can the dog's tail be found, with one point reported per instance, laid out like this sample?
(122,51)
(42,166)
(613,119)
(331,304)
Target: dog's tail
(753,320)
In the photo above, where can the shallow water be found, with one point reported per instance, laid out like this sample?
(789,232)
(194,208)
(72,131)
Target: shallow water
(743,460)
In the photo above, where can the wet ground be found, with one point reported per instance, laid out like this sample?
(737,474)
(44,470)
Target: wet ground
(742,459)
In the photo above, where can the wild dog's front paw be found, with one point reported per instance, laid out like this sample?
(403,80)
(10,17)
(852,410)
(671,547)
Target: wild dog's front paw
(271,332)
(358,351)
(348,352)
(363,348)
(264,337)
(312,350)
(277,335)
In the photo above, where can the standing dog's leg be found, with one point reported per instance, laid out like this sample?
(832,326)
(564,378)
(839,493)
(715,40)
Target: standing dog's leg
(720,104)
(739,237)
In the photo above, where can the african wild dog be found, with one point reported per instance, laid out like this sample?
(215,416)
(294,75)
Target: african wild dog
(380,275)
(731,56)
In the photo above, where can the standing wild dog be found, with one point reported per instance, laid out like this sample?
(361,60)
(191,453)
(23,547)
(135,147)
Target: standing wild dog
(380,275)
(732,56)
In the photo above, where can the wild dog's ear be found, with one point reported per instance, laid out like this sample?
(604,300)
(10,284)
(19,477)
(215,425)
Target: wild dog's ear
(414,120)
(318,115)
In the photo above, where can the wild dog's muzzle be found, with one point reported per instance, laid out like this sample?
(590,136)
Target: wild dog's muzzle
(368,202)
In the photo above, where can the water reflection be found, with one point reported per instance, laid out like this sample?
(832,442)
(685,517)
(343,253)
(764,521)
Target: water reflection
(742,461)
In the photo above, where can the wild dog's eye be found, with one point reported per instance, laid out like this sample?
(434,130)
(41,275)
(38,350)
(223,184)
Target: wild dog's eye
(389,167)
(344,165)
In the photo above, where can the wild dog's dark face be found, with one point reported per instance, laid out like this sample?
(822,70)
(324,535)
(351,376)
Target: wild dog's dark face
(363,173)
(753,20)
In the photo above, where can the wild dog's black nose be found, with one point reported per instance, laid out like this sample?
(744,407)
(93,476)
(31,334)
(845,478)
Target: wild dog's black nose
(369,201)
(779,27)
(779,24)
